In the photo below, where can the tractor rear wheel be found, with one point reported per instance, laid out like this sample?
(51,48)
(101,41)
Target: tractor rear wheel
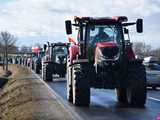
(32,67)
(44,72)
(37,69)
(136,89)
(121,95)
(80,86)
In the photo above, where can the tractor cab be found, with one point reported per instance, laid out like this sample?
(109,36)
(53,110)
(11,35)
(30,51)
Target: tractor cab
(37,59)
(59,53)
(101,33)
(104,41)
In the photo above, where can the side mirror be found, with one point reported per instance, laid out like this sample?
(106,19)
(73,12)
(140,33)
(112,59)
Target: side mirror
(45,47)
(139,25)
(68,27)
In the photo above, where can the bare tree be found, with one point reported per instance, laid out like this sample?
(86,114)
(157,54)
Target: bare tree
(7,41)
(156,53)
(141,49)
(148,49)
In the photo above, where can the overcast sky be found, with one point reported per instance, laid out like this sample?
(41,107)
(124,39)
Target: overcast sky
(34,21)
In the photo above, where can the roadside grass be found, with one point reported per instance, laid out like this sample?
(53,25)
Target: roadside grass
(25,97)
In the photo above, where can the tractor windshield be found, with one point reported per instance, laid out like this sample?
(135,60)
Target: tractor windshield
(59,53)
(103,33)
(59,50)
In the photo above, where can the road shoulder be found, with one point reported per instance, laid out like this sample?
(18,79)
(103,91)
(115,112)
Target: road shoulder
(25,97)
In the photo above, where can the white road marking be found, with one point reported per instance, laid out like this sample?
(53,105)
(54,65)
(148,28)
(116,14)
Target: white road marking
(60,100)
(155,99)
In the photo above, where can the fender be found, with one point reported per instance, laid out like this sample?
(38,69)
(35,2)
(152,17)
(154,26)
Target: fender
(73,52)
(129,53)
(130,56)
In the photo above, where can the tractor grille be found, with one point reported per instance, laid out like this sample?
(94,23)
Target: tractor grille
(110,52)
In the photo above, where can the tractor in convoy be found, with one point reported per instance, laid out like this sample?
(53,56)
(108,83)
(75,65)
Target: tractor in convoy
(54,61)
(36,62)
(102,57)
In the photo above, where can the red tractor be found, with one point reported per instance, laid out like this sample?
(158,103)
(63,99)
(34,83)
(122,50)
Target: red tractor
(102,58)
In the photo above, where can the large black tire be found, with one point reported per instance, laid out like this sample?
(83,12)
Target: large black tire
(44,72)
(32,67)
(80,85)
(121,95)
(69,85)
(37,69)
(47,72)
(136,89)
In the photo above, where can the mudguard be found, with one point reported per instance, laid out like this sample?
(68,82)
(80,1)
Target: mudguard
(73,52)
(130,56)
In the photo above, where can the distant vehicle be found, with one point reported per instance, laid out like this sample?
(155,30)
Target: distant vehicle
(54,61)
(153,79)
(37,59)
(151,63)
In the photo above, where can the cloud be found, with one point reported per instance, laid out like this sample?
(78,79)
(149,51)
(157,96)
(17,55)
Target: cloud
(31,18)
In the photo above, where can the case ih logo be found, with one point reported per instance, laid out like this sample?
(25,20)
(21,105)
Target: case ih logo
(158,117)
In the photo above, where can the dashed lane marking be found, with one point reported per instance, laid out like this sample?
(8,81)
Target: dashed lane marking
(155,99)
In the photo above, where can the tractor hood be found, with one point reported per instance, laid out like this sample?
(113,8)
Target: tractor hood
(106,44)
(106,51)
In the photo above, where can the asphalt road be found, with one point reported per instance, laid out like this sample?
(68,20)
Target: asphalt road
(104,105)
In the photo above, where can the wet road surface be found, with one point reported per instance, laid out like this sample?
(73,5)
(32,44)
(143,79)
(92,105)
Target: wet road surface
(104,105)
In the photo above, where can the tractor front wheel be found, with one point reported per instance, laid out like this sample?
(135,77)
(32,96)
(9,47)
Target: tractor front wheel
(69,84)
(37,69)
(80,86)
(121,95)
(47,72)
(136,90)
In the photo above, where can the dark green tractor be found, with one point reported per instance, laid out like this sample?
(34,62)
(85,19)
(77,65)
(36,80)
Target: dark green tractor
(54,61)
